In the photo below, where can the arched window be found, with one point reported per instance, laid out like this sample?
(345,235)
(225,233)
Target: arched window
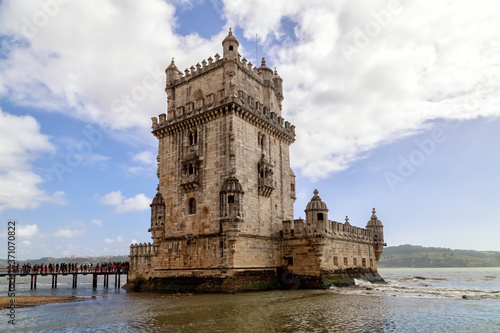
(193,138)
(192,206)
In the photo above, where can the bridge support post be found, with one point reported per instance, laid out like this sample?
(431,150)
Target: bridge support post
(33,281)
(116,279)
(75,278)
(94,281)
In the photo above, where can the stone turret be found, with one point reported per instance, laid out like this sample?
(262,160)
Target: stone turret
(172,73)
(376,227)
(230,47)
(278,85)
(231,199)
(157,217)
(316,214)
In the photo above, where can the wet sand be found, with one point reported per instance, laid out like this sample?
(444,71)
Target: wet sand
(25,301)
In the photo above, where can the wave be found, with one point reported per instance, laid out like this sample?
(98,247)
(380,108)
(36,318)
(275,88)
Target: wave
(405,290)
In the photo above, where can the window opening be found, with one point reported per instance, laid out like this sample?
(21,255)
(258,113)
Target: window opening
(192,206)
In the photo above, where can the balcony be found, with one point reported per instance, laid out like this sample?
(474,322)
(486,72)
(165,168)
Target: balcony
(266,186)
(190,182)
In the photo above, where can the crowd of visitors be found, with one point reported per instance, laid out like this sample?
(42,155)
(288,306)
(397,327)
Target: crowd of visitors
(114,267)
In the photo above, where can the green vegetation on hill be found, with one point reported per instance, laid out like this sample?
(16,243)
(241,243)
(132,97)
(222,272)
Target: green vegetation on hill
(418,256)
(79,260)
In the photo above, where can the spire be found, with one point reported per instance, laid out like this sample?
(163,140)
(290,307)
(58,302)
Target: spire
(230,38)
(172,65)
(316,203)
(347,221)
(374,221)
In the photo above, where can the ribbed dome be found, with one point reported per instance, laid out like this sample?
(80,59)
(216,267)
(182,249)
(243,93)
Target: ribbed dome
(230,38)
(232,184)
(172,66)
(157,200)
(374,221)
(316,203)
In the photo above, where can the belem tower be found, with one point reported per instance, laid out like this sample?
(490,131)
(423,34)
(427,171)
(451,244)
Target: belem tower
(222,219)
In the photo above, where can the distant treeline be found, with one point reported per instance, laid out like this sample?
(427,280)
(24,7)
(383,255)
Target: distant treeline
(419,256)
(75,260)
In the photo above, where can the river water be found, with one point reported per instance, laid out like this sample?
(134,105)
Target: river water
(414,300)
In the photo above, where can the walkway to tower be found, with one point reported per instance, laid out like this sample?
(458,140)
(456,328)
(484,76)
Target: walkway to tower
(14,274)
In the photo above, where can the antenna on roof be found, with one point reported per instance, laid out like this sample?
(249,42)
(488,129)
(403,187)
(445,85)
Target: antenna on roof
(256,51)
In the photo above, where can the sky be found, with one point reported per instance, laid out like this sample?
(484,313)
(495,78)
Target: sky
(395,104)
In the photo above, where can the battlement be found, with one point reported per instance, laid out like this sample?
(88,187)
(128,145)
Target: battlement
(143,250)
(300,228)
(260,115)
(206,66)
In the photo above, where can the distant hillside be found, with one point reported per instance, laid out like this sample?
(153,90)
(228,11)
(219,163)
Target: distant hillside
(418,256)
(79,260)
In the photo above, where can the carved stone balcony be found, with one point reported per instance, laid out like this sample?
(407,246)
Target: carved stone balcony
(190,182)
(265,186)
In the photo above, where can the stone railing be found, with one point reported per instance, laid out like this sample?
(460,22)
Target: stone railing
(300,228)
(143,249)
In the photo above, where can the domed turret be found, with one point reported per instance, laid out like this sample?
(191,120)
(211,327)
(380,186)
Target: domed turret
(316,213)
(172,73)
(316,203)
(230,46)
(278,82)
(157,217)
(376,226)
(231,199)
(266,72)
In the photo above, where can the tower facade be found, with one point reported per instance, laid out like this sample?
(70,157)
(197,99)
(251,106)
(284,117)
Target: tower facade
(225,181)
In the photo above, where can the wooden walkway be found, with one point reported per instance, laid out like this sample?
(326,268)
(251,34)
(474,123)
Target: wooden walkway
(13,275)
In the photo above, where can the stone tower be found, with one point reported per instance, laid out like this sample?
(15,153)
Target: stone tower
(222,214)
(225,182)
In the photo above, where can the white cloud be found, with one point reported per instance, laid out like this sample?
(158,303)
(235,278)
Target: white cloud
(146,157)
(122,205)
(27,231)
(57,66)
(96,222)
(133,241)
(20,144)
(148,164)
(424,61)
(67,232)
(118,239)
(112,199)
(75,229)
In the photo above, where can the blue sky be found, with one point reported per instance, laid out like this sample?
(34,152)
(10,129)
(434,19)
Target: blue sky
(396,106)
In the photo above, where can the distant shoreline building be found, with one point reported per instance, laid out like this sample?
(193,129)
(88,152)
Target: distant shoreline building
(222,219)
